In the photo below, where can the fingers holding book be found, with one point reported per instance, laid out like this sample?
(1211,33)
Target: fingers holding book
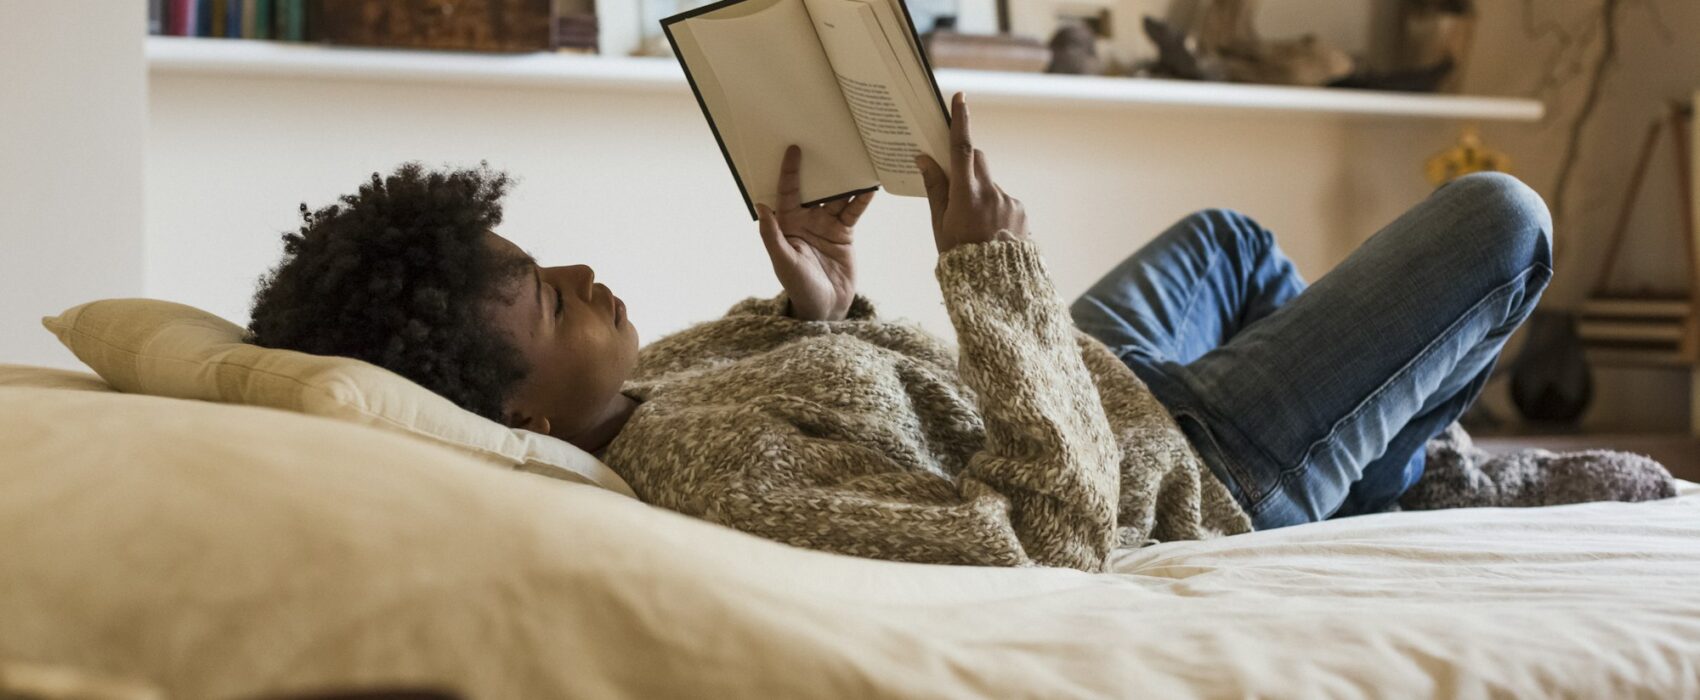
(849,209)
(846,209)
(969,207)
(811,247)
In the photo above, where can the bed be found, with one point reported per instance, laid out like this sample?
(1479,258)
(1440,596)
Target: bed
(229,551)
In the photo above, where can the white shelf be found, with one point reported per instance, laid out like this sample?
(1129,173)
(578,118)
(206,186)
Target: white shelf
(226,57)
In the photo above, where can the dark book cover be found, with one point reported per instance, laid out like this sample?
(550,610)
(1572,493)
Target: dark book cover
(158,18)
(263,15)
(292,20)
(313,27)
(219,21)
(232,19)
(204,17)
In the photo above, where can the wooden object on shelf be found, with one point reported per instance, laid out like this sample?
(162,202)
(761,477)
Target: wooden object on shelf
(946,49)
(1638,327)
(503,26)
(1433,33)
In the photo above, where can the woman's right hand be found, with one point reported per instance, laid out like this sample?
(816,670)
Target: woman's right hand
(970,207)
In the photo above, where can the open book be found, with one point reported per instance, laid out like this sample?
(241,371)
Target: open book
(844,79)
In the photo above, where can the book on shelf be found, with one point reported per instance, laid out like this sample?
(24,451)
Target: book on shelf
(181,18)
(233,19)
(454,25)
(846,80)
(462,25)
(204,17)
(292,20)
(283,20)
(220,21)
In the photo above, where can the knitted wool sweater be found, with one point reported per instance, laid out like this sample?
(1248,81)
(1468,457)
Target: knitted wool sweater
(1034,446)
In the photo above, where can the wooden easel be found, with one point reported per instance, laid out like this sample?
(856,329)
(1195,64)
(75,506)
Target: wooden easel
(1639,327)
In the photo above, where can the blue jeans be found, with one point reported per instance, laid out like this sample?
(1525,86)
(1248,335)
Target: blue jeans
(1314,402)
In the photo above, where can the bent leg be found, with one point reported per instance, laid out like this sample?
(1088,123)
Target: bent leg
(1397,339)
(1192,289)
(1189,290)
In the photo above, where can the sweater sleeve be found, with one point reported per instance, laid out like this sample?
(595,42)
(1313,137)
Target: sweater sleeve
(1049,448)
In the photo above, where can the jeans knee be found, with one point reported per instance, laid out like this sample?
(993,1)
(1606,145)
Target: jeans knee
(1512,216)
(1231,230)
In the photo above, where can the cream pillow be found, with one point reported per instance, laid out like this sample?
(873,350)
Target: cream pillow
(147,346)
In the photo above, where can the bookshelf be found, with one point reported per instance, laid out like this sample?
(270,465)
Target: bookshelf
(264,59)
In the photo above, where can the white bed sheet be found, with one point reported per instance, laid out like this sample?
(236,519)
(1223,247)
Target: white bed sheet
(225,551)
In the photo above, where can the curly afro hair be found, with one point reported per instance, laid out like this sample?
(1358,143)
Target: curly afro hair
(397,275)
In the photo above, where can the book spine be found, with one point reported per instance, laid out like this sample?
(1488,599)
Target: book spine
(178,18)
(220,19)
(313,20)
(233,19)
(298,27)
(157,17)
(203,18)
(264,13)
(282,27)
(249,25)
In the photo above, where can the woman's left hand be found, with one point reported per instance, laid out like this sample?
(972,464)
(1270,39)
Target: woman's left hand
(810,247)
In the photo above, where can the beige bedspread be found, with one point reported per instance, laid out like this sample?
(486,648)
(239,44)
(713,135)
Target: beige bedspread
(221,551)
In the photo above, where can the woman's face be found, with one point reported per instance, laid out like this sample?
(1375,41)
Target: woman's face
(574,336)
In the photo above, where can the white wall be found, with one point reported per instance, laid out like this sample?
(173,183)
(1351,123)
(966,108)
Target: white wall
(1658,62)
(72,122)
(633,185)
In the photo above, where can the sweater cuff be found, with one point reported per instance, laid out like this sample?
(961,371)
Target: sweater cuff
(1003,269)
(861,309)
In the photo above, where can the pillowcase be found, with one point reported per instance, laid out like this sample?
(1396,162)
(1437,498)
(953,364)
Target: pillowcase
(148,346)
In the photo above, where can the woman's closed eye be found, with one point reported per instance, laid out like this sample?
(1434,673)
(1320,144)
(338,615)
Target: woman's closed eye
(559,307)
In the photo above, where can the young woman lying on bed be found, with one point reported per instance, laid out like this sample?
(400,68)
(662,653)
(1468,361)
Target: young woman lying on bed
(1200,389)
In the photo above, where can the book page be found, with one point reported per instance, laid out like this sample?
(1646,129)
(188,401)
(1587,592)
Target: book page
(766,84)
(881,96)
(895,25)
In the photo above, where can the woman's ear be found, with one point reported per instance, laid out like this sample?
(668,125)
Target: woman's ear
(523,420)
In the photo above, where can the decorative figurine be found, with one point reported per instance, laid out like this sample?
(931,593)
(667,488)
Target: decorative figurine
(1469,156)
(1226,47)
(1074,50)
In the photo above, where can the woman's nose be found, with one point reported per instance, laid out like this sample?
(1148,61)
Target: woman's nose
(583,278)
